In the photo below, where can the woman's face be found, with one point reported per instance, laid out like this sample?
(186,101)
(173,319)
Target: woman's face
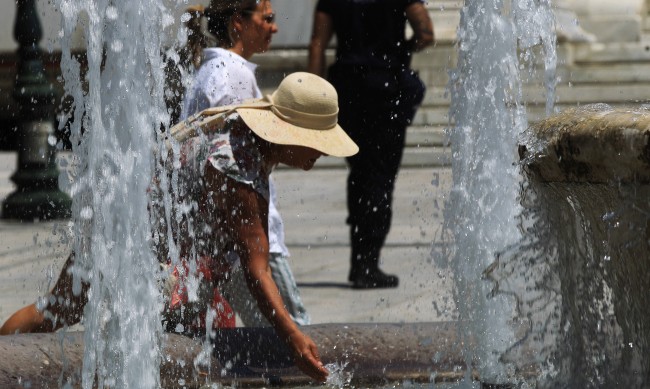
(258,28)
(299,156)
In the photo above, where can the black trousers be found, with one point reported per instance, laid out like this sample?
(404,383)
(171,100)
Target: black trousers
(376,120)
(371,180)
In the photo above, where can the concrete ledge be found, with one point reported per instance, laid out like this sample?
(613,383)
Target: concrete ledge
(255,357)
(619,52)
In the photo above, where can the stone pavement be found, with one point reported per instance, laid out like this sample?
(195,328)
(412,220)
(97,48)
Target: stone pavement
(313,207)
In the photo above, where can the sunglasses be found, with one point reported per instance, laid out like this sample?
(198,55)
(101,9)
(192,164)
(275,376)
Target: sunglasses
(269,18)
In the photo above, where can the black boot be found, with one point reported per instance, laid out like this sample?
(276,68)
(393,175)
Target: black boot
(375,278)
(365,272)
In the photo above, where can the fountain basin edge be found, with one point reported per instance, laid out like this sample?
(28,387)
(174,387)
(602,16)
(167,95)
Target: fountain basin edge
(375,353)
(593,144)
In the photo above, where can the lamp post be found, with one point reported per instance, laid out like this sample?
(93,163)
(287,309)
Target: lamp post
(37,195)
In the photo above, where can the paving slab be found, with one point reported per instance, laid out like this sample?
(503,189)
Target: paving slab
(314,211)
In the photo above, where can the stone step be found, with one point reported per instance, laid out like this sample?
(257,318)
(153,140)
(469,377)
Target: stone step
(645,34)
(441,57)
(426,136)
(437,101)
(603,74)
(445,5)
(414,157)
(620,52)
(438,117)
(613,93)
(425,147)
(445,16)
(445,24)
(612,75)
(598,63)
(432,116)
(612,86)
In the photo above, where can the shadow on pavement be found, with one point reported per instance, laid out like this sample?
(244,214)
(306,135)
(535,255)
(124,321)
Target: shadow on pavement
(325,284)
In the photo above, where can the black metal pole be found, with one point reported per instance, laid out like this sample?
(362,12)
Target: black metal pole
(37,196)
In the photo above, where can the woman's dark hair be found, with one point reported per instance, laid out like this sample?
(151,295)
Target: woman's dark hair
(218,14)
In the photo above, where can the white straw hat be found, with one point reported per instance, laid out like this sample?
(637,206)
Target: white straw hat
(303,111)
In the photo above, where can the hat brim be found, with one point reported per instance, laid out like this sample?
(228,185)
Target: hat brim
(265,124)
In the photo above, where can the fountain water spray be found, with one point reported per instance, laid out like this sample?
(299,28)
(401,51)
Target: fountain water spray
(580,274)
(120,108)
(118,112)
(496,40)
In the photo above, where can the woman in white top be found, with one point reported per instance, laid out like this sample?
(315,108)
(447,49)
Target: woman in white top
(241,29)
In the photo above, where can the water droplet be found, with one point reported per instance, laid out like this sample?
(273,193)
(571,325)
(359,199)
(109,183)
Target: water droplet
(608,216)
(111,12)
(338,378)
(117,46)
(86,213)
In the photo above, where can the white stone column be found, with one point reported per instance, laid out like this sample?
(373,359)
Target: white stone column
(567,23)
(611,20)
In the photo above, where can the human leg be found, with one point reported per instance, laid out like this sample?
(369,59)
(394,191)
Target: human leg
(23,321)
(283,277)
(59,308)
(376,118)
(243,303)
(279,263)
(370,187)
(235,290)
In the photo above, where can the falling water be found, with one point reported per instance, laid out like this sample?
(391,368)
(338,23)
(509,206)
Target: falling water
(497,39)
(580,275)
(118,110)
(120,107)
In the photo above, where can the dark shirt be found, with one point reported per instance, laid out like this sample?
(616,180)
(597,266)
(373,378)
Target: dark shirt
(369,32)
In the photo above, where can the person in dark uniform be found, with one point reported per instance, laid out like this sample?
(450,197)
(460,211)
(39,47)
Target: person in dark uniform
(378,97)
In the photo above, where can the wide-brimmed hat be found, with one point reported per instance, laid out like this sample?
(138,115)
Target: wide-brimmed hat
(303,111)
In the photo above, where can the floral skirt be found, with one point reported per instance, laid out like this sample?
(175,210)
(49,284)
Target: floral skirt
(194,299)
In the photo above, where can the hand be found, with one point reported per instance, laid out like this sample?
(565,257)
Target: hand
(305,354)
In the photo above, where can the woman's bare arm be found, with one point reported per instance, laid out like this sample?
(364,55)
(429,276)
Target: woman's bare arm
(248,221)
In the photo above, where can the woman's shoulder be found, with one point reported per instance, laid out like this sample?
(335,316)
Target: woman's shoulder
(234,153)
(219,58)
(231,71)
(209,76)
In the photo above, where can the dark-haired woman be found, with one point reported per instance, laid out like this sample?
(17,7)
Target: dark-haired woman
(225,75)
